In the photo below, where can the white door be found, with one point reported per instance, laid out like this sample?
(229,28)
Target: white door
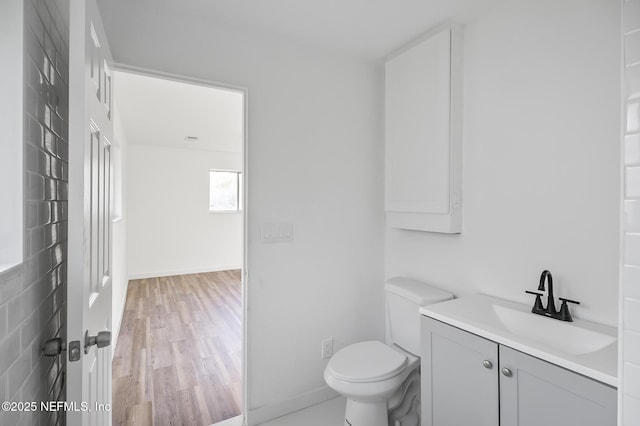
(90,214)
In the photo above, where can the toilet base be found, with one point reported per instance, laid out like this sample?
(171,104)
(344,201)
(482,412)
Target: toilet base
(366,413)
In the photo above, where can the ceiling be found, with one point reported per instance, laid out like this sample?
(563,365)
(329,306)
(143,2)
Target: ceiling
(369,29)
(163,112)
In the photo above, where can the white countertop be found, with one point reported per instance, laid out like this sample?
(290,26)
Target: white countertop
(585,347)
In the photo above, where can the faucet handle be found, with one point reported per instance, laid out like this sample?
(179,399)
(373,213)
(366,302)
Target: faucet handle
(564,313)
(537,306)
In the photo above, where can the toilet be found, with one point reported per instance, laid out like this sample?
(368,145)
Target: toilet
(381,381)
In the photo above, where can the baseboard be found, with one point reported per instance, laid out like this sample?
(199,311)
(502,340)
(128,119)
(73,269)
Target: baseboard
(173,272)
(288,406)
(233,421)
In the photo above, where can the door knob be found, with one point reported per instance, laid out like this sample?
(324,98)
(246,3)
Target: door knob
(507,372)
(487,364)
(53,347)
(101,340)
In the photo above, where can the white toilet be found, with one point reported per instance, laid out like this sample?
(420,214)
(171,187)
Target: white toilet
(381,381)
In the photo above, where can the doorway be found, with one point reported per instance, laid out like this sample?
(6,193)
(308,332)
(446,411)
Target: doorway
(179,182)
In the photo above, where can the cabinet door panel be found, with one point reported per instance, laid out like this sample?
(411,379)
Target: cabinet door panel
(542,393)
(423,133)
(417,127)
(457,389)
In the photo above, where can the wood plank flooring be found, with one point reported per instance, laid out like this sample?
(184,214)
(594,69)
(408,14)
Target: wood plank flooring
(178,357)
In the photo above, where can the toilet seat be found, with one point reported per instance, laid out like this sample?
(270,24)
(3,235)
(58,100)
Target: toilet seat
(364,362)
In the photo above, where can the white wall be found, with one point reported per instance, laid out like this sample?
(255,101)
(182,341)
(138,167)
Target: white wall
(541,174)
(315,160)
(11,132)
(541,160)
(120,279)
(630,291)
(171,230)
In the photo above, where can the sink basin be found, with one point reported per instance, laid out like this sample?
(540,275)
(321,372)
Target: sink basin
(582,346)
(565,336)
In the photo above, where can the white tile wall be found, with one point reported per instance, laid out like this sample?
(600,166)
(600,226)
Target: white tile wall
(632,185)
(630,288)
(632,149)
(631,316)
(632,380)
(633,116)
(632,347)
(631,282)
(632,83)
(632,412)
(632,46)
(631,16)
(632,215)
(631,248)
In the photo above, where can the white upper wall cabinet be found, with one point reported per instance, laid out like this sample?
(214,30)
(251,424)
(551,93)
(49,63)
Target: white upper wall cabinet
(423,133)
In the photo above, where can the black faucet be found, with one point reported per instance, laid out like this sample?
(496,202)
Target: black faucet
(550,310)
(551,305)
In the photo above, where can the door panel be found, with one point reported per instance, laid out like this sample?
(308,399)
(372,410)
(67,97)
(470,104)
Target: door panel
(90,213)
(93,397)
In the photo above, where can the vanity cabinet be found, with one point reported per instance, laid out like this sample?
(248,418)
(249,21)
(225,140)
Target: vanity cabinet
(469,380)
(423,133)
(456,388)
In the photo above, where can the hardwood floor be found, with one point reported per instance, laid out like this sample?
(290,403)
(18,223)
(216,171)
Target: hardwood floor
(178,357)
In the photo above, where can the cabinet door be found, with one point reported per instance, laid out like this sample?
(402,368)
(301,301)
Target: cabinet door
(417,127)
(423,122)
(538,392)
(459,377)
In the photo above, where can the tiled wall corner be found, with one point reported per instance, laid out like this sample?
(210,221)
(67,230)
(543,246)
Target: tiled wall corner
(32,295)
(630,288)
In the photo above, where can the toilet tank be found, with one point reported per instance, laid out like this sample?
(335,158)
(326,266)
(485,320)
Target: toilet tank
(404,297)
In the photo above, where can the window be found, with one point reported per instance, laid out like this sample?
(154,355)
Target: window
(225,191)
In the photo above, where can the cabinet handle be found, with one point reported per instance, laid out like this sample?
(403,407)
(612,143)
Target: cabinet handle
(507,372)
(487,364)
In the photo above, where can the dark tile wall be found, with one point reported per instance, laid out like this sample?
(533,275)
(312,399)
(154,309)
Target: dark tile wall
(32,295)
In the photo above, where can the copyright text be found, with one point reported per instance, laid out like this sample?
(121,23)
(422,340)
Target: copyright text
(54,406)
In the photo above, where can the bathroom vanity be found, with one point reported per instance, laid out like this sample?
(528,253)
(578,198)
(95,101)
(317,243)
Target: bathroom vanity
(489,362)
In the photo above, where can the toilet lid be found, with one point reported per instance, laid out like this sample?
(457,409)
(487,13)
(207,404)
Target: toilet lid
(369,361)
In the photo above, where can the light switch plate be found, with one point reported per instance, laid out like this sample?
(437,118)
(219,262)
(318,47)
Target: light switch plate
(276,232)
